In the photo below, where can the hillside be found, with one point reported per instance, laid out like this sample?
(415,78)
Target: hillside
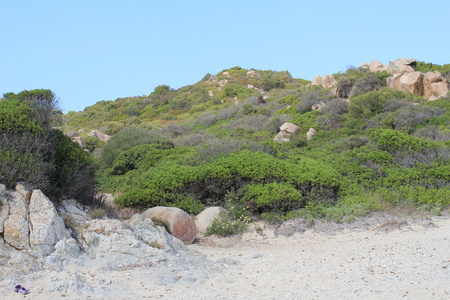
(374,141)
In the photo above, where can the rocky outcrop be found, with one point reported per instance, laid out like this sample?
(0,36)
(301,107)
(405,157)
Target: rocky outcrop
(401,65)
(326,81)
(411,82)
(29,221)
(252,73)
(286,131)
(431,85)
(34,237)
(205,218)
(176,221)
(46,225)
(101,136)
(435,85)
(317,80)
(376,66)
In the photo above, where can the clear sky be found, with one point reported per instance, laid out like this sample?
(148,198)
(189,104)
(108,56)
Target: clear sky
(91,50)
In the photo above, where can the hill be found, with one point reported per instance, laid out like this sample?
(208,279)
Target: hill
(378,142)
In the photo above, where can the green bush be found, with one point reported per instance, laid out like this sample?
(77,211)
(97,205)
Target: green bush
(365,106)
(273,196)
(125,139)
(32,151)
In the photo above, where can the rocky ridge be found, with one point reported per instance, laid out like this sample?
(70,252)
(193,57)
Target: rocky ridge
(36,235)
(430,85)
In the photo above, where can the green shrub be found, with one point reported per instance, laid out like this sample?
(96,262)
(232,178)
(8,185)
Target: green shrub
(125,139)
(273,196)
(93,143)
(365,106)
(188,204)
(34,152)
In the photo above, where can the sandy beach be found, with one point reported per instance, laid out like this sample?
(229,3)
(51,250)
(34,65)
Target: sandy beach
(393,259)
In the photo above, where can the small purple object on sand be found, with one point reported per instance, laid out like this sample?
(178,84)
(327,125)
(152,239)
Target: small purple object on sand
(20,289)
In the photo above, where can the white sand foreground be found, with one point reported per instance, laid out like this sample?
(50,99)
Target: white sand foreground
(391,260)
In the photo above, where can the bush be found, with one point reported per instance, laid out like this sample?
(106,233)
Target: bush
(365,106)
(272,196)
(206,119)
(93,143)
(308,99)
(74,174)
(228,113)
(41,156)
(125,139)
(368,83)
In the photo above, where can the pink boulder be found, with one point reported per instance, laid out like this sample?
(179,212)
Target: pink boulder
(176,221)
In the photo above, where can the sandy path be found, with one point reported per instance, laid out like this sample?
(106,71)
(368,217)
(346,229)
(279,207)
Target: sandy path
(412,262)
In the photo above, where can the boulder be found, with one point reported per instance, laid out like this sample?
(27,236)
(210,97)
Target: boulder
(177,222)
(402,65)
(328,81)
(438,90)
(101,136)
(286,130)
(46,226)
(364,66)
(435,85)
(310,133)
(204,219)
(226,74)
(252,73)
(412,82)
(376,66)
(317,80)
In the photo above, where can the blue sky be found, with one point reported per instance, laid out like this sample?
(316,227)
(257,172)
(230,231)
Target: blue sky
(87,50)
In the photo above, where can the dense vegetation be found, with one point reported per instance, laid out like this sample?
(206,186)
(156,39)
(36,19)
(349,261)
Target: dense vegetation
(32,151)
(211,143)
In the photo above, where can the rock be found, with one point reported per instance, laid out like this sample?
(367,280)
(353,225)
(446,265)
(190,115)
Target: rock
(80,142)
(46,226)
(438,90)
(411,82)
(178,223)
(205,218)
(364,66)
(154,236)
(24,190)
(4,206)
(290,227)
(73,213)
(401,65)
(226,74)
(223,82)
(317,80)
(435,85)
(328,81)
(310,133)
(16,228)
(252,73)
(66,250)
(101,136)
(286,130)
(376,66)
(210,93)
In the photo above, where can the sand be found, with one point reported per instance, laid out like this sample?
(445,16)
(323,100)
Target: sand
(394,259)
